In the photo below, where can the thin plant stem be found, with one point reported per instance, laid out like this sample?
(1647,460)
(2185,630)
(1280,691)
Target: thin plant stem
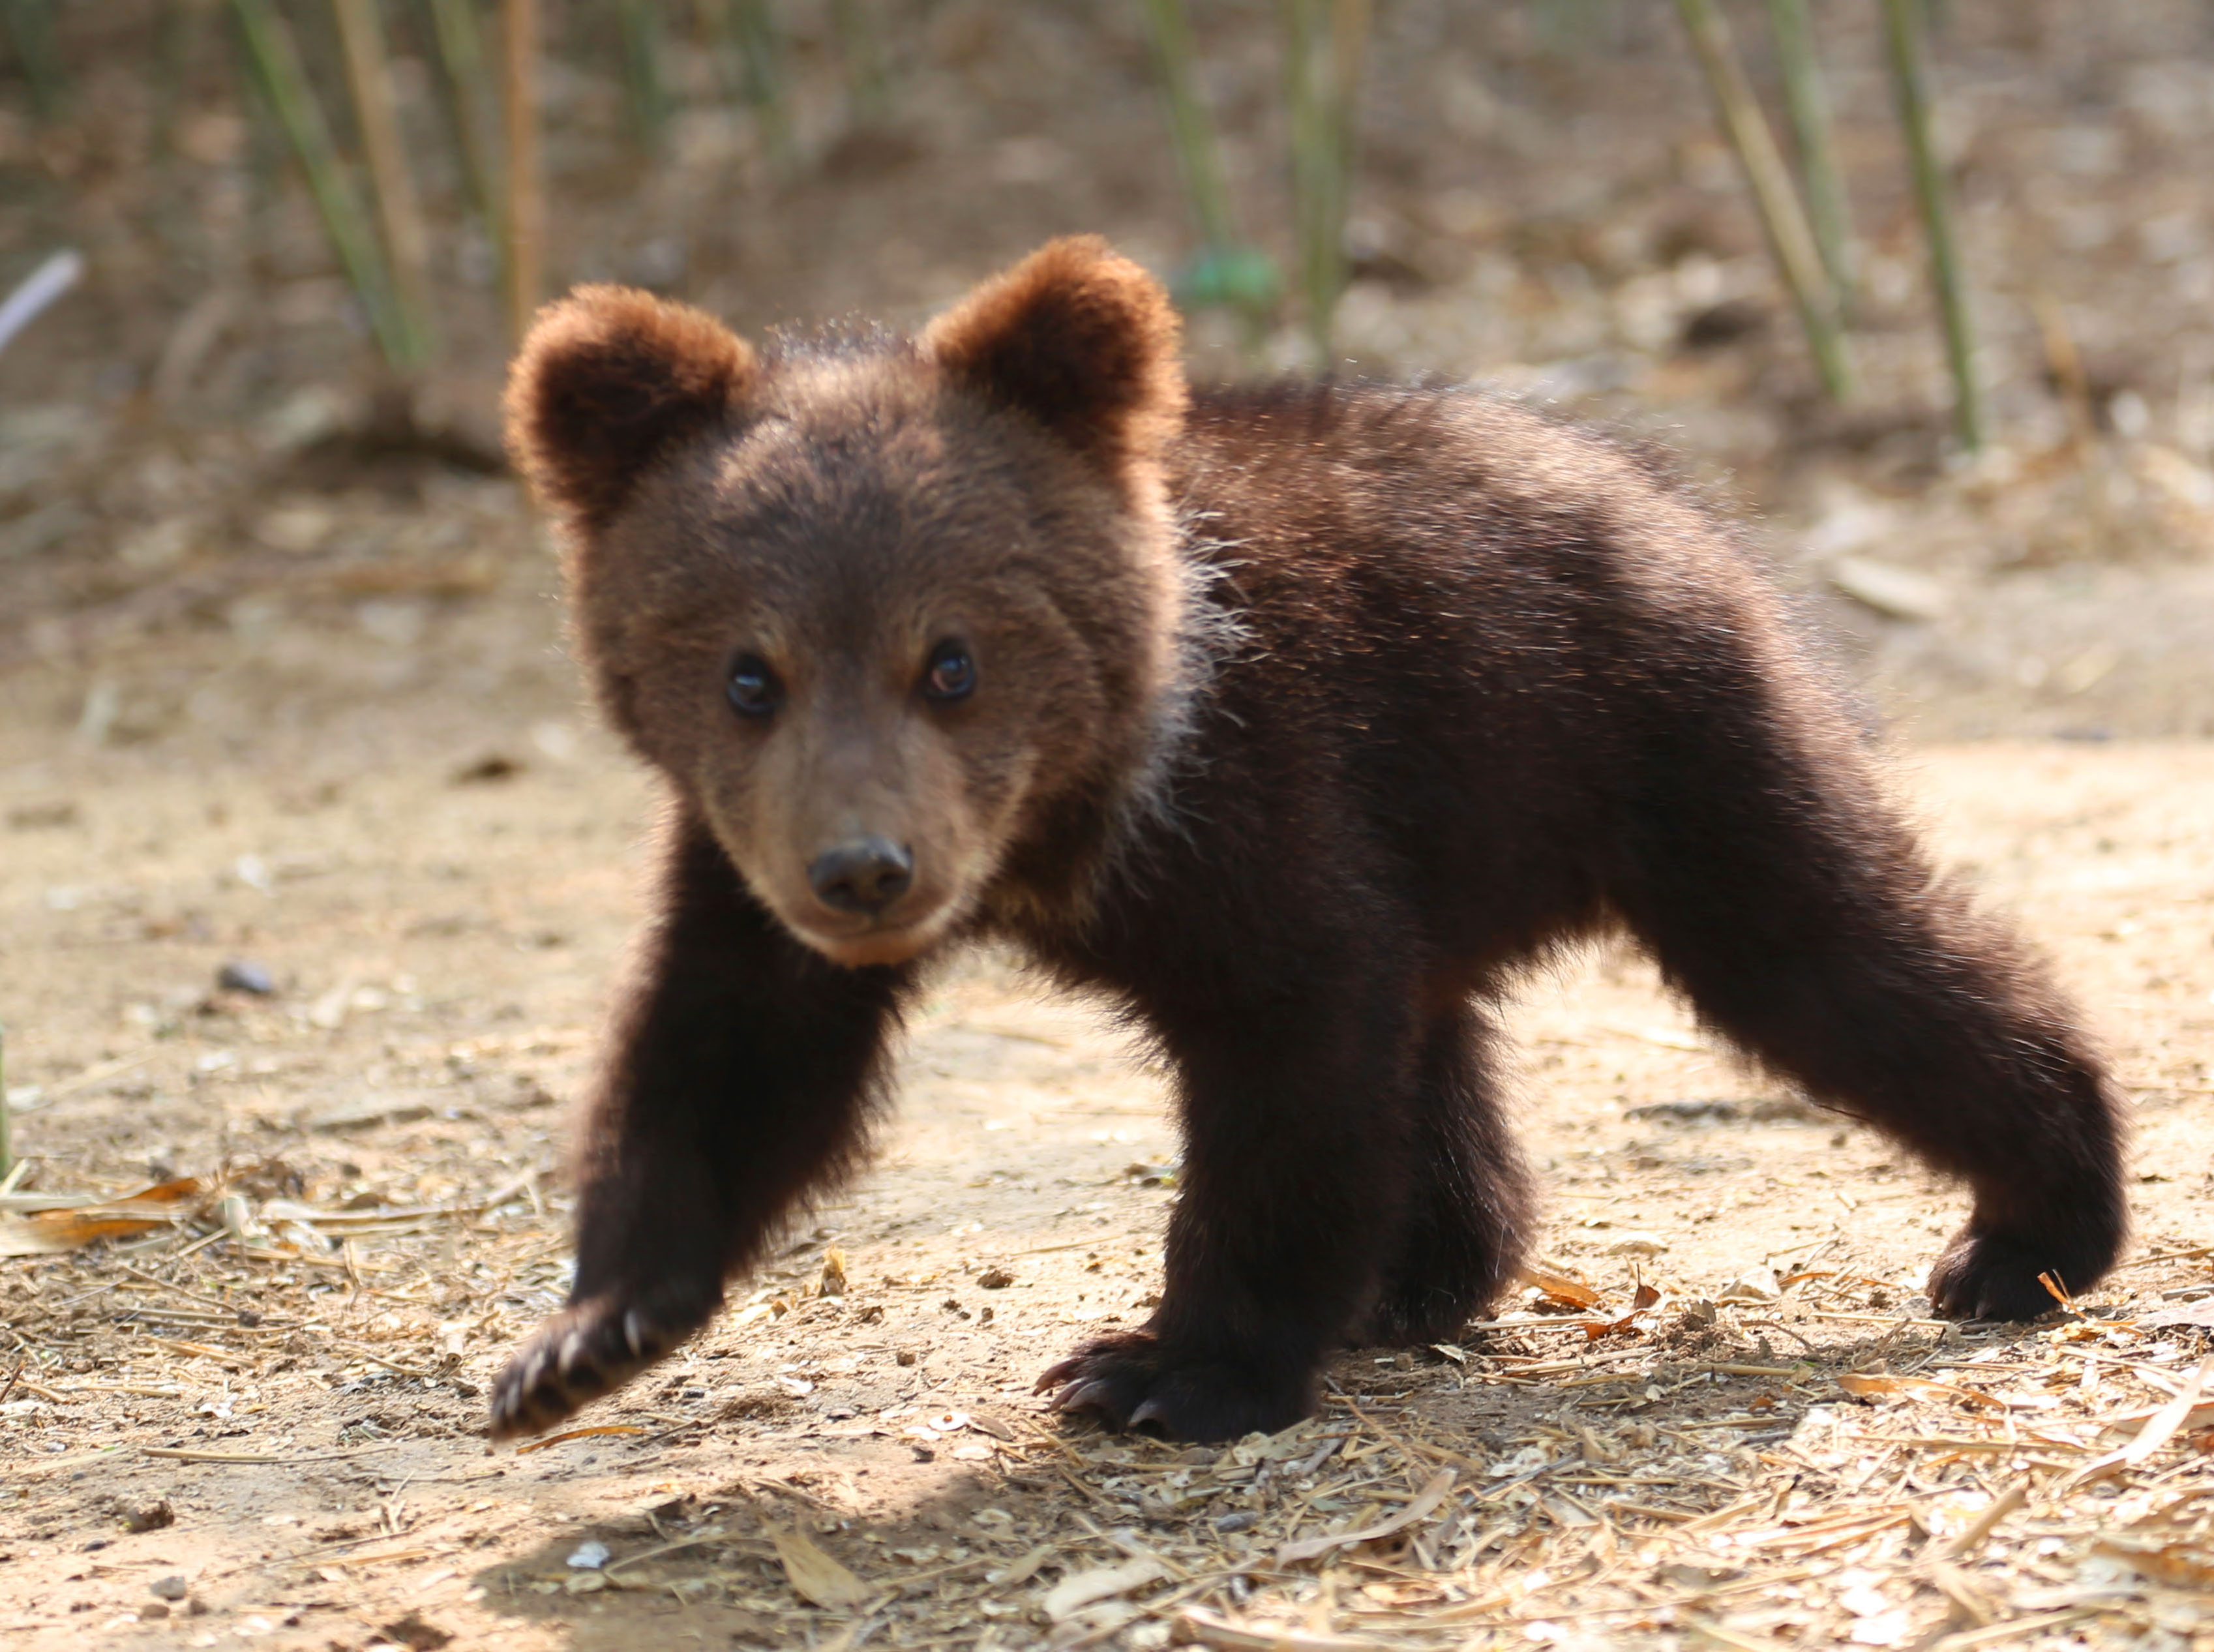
(745,40)
(867,90)
(1807,100)
(641,24)
(760,51)
(1789,240)
(1198,157)
(524,220)
(462,58)
(1910,78)
(31,31)
(407,246)
(275,59)
(1325,56)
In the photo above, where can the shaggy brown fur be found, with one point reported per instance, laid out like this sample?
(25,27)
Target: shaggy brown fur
(1295,721)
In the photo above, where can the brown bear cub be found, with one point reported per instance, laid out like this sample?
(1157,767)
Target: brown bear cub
(1293,721)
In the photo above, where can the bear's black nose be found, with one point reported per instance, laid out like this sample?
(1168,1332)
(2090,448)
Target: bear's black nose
(866,875)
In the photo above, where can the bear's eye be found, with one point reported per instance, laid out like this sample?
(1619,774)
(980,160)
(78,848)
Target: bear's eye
(950,674)
(753,688)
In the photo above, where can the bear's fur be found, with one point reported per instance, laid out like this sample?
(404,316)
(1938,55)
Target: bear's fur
(1295,721)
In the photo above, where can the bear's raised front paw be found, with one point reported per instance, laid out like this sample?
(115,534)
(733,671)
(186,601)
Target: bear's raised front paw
(581,1353)
(1994,1276)
(1133,1382)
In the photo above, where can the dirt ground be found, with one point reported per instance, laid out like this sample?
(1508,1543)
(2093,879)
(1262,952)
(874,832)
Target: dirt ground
(273,701)
(437,886)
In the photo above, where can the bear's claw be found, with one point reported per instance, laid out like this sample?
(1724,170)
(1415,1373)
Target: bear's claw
(580,1354)
(1131,1381)
(1986,1275)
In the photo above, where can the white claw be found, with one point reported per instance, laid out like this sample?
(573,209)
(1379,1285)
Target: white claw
(634,1333)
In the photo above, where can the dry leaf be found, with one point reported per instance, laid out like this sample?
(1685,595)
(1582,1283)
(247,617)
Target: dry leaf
(2168,1419)
(1193,1627)
(73,1226)
(2200,1314)
(1081,1589)
(1559,1288)
(814,1575)
(1640,1305)
(1428,1498)
(584,1432)
(2159,1429)
(1871,1386)
(2171,1562)
(1755,1284)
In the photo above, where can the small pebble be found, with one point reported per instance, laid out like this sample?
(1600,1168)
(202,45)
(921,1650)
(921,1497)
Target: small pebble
(149,1516)
(239,975)
(170,1589)
(589,1555)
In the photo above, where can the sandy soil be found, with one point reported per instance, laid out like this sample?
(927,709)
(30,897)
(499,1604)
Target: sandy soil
(440,929)
(263,703)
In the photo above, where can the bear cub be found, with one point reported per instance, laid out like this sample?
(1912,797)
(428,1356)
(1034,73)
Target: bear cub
(1294,722)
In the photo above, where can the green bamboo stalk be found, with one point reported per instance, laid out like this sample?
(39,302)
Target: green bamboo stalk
(1789,240)
(1198,157)
(407,245)
(275,60)
(1324,57)
(746,40)
(1313,158)
(760,51)
(30,32)
(1807,100)
(867,88)
(1910,78)
(1228,273)
(524,219)
(460,40)
(640,21)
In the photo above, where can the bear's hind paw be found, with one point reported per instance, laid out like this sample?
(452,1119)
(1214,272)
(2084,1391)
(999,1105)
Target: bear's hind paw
(1986,1275)
(1131,1381)
(580,1354)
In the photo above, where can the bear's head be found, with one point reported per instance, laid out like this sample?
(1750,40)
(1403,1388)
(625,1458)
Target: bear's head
(890,614)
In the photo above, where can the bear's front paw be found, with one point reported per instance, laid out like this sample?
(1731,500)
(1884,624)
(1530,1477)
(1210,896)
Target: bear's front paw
(1986,1275)
(585,1351)
(1132,1381)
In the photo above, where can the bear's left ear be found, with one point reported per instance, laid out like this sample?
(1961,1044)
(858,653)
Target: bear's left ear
(609,378)
(1081,338)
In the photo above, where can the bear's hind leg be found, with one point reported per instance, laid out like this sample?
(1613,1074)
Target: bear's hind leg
(1781,892)
(1470,1207)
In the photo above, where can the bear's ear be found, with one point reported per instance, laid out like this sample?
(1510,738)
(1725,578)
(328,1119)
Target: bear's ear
(607,379)
(1081,338)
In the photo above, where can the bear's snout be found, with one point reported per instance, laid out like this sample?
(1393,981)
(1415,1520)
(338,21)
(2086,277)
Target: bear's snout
(864,875)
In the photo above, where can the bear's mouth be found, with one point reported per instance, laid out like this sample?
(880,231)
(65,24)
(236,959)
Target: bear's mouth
(883,939)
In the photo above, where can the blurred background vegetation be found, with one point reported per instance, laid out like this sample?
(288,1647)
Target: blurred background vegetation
(1924,288)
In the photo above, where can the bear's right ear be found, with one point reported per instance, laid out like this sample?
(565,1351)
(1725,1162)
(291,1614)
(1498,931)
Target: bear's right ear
(609,379)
